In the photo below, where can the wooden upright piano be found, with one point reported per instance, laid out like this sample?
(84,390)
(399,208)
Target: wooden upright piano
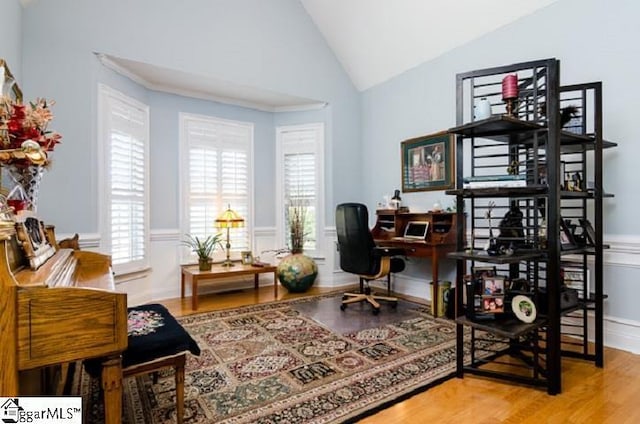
(440,239)
(65,310)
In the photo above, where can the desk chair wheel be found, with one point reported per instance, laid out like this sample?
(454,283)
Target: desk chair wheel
(375,311)
(394,305)
(343,306)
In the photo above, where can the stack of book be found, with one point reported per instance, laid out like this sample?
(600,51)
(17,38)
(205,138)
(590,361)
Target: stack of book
(487,181)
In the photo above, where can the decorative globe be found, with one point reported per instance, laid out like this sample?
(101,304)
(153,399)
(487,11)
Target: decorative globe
(297,272)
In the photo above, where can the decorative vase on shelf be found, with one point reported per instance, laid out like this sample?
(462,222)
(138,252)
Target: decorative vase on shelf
(28,177)
(482,109)
(297,272)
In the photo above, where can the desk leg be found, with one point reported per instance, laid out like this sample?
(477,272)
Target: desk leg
(275,285)
(112,389)
(434,271)
(194,293)
(182,285)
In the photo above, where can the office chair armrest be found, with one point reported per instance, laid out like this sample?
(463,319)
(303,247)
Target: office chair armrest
(388,251)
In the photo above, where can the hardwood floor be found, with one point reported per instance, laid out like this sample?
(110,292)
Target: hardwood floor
(590,394)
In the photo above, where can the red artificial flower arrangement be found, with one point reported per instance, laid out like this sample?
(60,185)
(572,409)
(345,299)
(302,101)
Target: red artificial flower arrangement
(20,123)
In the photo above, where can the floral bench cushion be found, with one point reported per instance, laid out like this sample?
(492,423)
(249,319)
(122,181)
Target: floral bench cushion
(153,334)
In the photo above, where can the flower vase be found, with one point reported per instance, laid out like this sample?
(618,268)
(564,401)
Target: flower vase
(29,178)
(297,272)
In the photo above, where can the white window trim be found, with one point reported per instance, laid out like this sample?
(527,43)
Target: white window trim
(104,94)
(185,255)
(319,152)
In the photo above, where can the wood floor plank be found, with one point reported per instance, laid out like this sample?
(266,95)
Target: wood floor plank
(609,395)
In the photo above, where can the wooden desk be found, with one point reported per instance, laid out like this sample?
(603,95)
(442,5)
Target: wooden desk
(441,238)
(191,274)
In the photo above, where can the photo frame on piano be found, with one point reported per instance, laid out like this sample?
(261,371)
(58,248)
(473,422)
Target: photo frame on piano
(32,237)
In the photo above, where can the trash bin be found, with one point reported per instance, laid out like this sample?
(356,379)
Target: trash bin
(443,287)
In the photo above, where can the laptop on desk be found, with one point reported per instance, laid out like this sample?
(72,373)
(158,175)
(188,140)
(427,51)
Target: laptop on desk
(414,231)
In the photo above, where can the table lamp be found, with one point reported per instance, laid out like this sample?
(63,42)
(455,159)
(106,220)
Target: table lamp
(229,219)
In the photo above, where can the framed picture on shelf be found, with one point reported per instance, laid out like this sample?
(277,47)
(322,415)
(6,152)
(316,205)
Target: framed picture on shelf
(588,231)
(493,286)
(247,257)
(493,304)
(483,272)
(428,162)
(566,237)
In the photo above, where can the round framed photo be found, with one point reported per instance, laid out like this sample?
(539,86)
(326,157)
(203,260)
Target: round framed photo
(524,308)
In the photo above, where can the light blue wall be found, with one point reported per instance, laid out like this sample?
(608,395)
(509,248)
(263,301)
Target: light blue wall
(10,36)
(594,40)
(272,45)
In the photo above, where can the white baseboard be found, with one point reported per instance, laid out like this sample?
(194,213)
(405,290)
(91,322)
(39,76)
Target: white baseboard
(622,334)
(619,333)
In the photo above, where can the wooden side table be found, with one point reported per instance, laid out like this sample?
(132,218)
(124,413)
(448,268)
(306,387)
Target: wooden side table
(191,274)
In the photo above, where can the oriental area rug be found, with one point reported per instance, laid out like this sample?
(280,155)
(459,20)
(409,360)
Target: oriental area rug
(298,361)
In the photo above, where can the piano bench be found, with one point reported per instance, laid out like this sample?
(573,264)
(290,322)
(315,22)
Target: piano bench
(156,341)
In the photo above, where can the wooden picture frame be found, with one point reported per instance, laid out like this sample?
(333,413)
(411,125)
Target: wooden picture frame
(247,257)
(428,162)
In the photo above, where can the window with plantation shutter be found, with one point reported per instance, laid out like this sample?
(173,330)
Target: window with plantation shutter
(216,161)
(300,169)
(124,135)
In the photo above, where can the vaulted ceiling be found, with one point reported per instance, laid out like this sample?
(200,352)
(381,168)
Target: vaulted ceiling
(375,40)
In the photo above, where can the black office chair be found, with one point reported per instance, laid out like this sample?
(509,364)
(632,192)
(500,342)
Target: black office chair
(359,255)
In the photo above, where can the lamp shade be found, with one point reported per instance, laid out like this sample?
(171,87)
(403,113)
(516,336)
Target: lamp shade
(229,219)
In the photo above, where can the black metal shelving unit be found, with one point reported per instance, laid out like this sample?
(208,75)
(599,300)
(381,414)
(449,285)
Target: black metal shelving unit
(546,150)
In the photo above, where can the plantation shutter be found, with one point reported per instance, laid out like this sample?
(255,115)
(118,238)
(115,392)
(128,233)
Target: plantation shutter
(127,131)
(300,185)
(218,177)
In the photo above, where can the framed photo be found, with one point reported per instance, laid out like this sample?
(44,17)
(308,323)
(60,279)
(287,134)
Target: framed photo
(493,304)
(428,163)
(566,237)
(588,231)
(493,286)
(483,272)
(32,237)
(247,257)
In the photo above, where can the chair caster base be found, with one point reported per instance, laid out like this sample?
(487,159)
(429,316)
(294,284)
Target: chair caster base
(343,307)
(375,311)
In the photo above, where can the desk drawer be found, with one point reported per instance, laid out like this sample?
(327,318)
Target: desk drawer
(417,250)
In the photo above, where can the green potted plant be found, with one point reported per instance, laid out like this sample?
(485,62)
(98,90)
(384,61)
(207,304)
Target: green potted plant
(203,248)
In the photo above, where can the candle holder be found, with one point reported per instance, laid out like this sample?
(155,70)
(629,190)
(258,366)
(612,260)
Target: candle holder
(510,93)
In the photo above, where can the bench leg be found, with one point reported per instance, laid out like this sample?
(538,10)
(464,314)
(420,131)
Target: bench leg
(179,375)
